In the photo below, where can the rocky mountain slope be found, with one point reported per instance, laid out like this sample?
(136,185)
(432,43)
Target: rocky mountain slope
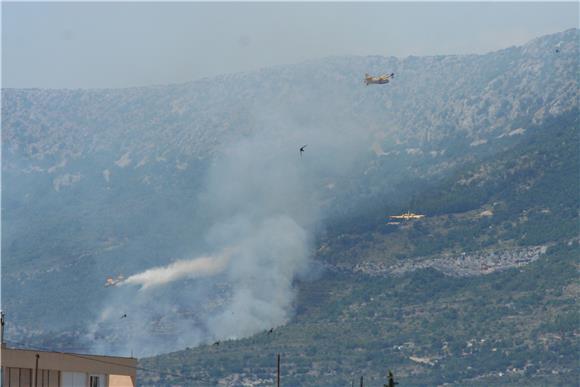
(500,310)
(105,182)
(476,95)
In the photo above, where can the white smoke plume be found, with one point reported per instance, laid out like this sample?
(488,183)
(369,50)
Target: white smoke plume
(193,268)
(262,201)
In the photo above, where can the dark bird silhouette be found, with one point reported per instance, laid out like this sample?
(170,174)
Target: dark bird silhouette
(392,382)
(217,343)
(271,330)
(124,315)
(557,50)
(302,149)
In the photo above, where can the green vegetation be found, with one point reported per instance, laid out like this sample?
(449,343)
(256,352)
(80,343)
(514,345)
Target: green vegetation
(534,186)
(530,190)
(515,327)
(464,330)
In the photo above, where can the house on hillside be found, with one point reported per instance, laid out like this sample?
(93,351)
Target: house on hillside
(30,368)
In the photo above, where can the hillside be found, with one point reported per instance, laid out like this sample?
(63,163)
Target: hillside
(476,96)
(98,183)
(512,323)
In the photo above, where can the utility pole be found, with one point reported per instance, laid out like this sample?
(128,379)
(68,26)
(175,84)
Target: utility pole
(392,382)
(362,381)
(2,329)
(36,371)
(278,372)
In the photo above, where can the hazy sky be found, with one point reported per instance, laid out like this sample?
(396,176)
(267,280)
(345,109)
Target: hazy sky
(110,44)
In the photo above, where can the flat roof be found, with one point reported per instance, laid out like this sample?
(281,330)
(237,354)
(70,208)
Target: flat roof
(68,361)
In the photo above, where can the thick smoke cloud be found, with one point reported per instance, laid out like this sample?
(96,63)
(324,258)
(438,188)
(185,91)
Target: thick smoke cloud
(263,203)
(193,268)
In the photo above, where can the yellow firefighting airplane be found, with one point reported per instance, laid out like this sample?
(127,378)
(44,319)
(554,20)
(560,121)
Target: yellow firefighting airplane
(113,281)
(380,80)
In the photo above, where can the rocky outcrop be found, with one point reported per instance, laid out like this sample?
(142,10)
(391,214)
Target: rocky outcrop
(433,98)
(461,265)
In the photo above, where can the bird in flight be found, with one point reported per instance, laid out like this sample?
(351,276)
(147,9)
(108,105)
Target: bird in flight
(302,149)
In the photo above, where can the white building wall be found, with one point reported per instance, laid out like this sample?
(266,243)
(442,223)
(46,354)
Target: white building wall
(73,379)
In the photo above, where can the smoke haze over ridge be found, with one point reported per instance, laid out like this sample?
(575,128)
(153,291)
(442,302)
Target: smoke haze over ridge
(262,201)
(251,192)
(56,45)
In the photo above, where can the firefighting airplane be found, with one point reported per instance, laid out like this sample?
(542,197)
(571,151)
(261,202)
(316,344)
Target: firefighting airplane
(113,281)
(380,80)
